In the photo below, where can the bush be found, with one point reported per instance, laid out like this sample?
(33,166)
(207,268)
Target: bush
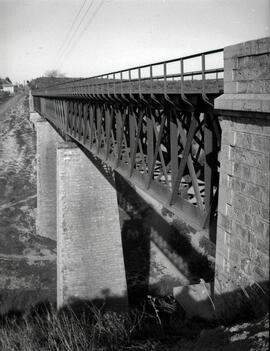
(4,94)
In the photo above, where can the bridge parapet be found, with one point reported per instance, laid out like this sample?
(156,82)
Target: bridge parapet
(242,255)
(194,74)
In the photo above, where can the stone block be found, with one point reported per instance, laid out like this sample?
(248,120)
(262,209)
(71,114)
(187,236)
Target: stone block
(254,191)
(229,181)
(260,227)
(237,185)
(255,207)
(260,126)
(223,180)
(230,64)
(262,247)
(237,169)
(265,104)
(261,143)
(228,239)
(247,172)
(227,166)
(248,219)
(228,135)
(242,87)
(265,212)
(230,87)
(246,104)
(261,177)
(240,230)
(195,300)
(225,197)
(244,171)
(265,196)
(241,202)
(243,102)
(251,158)
(252,238)
(238,243)
(225,153)
(257,87)
(238,215)
(249,48)
(235,258)
(253,68)
(228,210)
(222,248)
(225,222)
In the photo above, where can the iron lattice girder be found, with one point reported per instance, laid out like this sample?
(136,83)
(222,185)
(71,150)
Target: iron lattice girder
(169,152)
(153,124)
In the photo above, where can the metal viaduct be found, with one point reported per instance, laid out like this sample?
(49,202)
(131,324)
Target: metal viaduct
(192,133)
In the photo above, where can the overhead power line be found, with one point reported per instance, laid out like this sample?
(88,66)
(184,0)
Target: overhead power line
(70,30)
(75,32)
(82,32)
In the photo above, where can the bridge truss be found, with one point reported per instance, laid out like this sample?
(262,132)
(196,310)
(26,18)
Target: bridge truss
(154,124)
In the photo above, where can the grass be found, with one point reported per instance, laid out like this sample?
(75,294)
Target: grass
(153,327)
(158,325)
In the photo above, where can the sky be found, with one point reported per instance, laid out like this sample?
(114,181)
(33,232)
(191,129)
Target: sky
(82,38)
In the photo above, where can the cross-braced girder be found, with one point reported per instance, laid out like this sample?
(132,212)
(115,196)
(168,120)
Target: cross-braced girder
(159,147)
(153,124)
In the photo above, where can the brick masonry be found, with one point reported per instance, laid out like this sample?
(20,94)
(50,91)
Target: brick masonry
(89,248)
(242,250)
(47,138)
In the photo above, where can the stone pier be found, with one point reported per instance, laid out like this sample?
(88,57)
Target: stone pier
(89,248)
(47,139)
(78,207)
(242,250)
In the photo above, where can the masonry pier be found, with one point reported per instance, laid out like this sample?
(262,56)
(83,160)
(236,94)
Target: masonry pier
(77,206)
(242,249)
(89,248)
(47,139)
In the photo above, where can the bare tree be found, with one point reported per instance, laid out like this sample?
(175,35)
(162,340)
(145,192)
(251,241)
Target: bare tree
(54,73)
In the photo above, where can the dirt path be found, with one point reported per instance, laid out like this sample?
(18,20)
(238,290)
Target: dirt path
(8,104)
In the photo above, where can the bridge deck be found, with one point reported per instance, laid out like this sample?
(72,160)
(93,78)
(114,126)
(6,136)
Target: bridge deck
(146,87)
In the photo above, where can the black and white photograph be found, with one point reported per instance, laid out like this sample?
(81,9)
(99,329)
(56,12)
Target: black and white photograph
(134,175)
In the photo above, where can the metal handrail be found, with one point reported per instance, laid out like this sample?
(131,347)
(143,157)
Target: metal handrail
(103,79)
